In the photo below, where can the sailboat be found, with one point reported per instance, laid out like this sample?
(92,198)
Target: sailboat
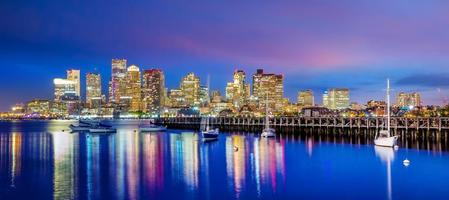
(207,132)
(267,131)
(384,138)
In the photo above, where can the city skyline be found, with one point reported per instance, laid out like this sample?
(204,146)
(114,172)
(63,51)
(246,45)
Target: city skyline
(79,86)
(314,47)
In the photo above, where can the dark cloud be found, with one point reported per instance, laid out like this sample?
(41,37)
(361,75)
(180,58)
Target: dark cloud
(425,80)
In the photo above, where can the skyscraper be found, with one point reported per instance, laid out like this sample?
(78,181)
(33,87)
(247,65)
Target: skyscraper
(74,75)
(93,90)
(306,98)
(190,88)
(237,91)
(153,90)
(271,85)
(117,82)
(326,99)
(337,98)
(133,88)
(64,89)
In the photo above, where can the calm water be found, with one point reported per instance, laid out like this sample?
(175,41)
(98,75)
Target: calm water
(39,161)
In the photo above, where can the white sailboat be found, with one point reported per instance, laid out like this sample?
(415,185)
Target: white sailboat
(267,131)
(384,138)
(207,132)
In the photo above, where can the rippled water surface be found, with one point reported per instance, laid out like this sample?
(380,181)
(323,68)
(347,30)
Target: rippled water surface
(40,161)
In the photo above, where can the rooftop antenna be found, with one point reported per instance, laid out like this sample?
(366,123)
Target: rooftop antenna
(208,88)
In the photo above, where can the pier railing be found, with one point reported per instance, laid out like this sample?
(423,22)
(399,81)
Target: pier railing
(418,123)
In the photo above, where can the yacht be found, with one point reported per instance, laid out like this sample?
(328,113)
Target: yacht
(151,128)
(267,131)
(83,125)
(207,132)
(102,128)
(384,137)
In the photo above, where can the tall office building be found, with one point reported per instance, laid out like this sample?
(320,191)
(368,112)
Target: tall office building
(336,98)
(237,91)
(190,87)
(133,88)
(326,99)
(271,85)
(306,98)
(93,90)
(408,99)
(64,89)
(74,75)
(117,84)
(204,97)
(153,90)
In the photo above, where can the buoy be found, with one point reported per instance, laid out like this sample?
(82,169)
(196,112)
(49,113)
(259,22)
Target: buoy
(406,162)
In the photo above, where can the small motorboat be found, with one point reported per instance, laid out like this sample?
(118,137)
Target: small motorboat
(152,128)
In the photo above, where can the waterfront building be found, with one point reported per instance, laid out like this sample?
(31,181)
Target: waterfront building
(38,106)
(18,108)
(74,75)
(306,98)
(271,85)
(177,98)
(237,91)
(133,91)
(118,80)
(336,98)
(93,90)
(408,99)
(190,89)
(153,91)
(216,97)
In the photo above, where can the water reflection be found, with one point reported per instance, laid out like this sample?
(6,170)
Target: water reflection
(16,156)
(175,164)
(153,162)
(386,154)
(236,153)
(65,170)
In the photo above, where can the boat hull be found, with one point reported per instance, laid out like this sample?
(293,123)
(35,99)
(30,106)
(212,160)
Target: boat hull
(210,135)
(268,133)
(152,129)
(78,128)
(101,130)
(386,141)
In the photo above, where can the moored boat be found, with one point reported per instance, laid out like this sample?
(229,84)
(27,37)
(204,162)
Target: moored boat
(384,138)
(207,133)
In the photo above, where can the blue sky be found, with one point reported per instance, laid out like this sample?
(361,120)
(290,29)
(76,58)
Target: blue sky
(315,44)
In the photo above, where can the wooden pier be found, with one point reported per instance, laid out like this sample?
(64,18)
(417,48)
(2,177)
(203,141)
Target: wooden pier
(237,123)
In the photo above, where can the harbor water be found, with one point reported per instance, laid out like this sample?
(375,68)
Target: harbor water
(44,160)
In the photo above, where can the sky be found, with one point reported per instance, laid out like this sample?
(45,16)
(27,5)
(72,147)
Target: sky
(315,44)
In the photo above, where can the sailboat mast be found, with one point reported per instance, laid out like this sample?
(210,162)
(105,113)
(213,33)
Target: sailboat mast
(267,120)
(388,105)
